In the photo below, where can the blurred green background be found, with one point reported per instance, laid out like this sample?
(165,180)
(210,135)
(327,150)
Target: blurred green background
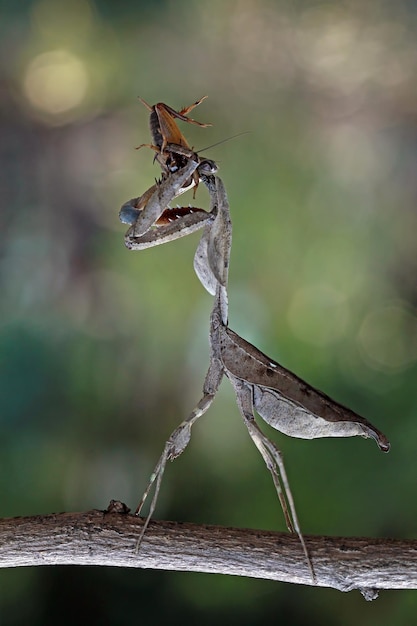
(103,351)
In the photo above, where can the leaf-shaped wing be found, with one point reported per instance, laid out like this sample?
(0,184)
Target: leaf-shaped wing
(288,403)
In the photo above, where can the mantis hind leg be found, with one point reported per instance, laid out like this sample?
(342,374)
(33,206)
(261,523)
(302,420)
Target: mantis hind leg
(273,460)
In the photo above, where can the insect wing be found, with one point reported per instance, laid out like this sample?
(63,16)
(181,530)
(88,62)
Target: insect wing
(181,114)
(168,127)
(288,403)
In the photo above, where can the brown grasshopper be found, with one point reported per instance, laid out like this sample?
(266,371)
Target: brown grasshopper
(146,211)
(282,399)
(171,147)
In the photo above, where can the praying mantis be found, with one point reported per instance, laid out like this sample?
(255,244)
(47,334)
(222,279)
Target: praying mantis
(278,396)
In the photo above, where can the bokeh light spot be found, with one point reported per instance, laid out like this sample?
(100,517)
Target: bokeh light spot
(388,337)
(56,82)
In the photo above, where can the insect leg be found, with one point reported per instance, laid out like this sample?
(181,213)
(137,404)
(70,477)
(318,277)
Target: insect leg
(148,106)
(273,460)
(162,109)
(179,440)
(186,110)
(148,145)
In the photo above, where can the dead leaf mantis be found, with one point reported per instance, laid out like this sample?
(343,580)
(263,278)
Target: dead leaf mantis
(282,399)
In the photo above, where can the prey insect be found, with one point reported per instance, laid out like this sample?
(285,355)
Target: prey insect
(171,147)
(164,130)
(261,384)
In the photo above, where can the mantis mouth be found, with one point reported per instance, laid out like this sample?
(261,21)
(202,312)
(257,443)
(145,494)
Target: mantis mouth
(178,213)
(171,225)
(129,213)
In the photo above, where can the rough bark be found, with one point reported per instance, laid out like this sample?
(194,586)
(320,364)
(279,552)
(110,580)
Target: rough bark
(110,538)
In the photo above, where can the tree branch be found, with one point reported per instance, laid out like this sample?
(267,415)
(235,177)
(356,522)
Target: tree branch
(109,538)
